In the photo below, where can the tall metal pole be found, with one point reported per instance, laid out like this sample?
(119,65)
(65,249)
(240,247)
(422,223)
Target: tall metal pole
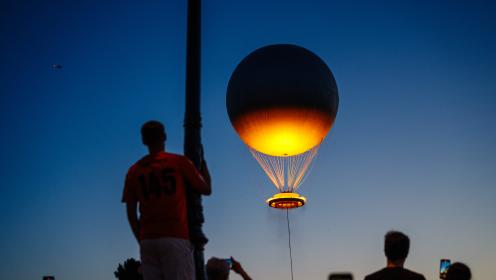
(192,130)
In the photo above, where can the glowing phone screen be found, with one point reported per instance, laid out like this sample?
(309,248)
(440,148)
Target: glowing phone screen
(443,268)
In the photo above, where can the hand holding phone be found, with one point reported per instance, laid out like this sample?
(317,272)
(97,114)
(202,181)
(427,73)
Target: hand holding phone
(229,262)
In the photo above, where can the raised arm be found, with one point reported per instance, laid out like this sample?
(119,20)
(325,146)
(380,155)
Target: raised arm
(236,267)
(200,182)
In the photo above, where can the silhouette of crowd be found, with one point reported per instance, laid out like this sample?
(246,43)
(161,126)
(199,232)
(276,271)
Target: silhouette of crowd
(396,249)
(156,186)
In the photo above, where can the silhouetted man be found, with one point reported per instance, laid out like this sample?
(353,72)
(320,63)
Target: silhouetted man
(396,246)
(157,183)
(458,271)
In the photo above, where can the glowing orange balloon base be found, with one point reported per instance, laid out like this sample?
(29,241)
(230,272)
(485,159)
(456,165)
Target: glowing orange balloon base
(286,200)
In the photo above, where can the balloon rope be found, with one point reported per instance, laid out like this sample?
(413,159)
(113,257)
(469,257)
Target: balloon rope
(289,243)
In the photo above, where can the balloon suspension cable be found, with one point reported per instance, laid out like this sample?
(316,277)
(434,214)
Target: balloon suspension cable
(289,243)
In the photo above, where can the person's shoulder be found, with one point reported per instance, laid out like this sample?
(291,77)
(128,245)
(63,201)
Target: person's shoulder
(414,275)
(143,161)
(376,275)
(135,166)
(171,157)
(179,160)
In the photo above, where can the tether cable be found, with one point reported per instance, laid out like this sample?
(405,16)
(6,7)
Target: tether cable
(289,243)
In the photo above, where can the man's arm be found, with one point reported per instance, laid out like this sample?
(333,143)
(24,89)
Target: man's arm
(206,174)
(200,182)
(132,217)
(236,267)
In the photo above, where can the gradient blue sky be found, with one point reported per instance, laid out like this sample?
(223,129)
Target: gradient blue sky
(413,147)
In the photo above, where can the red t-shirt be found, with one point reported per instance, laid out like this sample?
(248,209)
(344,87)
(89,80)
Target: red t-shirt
(157,183)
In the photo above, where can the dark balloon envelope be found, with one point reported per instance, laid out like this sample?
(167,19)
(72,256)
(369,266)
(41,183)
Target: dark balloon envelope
(282,100)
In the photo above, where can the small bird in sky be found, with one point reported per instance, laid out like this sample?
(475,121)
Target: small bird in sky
(56,66)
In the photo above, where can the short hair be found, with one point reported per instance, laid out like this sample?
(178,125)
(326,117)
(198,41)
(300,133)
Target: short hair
(153,132)
(396,245)
(458,271)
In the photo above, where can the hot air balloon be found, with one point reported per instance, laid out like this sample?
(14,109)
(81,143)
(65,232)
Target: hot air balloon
(282,101)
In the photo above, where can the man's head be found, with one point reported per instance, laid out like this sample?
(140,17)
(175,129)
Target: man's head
(458,271)
(153,133)
(217,269)
(396,246)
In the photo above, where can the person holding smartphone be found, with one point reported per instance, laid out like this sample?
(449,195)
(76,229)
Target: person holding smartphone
(396,247)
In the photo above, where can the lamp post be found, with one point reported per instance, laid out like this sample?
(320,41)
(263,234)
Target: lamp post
(192,131)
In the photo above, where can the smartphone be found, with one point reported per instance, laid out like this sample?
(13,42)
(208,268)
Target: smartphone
(340,276)
(443,268)
(229,262)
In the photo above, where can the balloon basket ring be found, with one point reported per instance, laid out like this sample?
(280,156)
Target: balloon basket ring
(286,200)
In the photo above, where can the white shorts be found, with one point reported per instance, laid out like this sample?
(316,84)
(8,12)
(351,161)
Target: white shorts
(167,259)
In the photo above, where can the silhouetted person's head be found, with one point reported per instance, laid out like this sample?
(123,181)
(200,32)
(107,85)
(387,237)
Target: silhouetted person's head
(458,271)
(217,269)
(153,135)
(396,246)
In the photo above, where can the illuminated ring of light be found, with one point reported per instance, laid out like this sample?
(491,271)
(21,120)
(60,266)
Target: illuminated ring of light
(286,200)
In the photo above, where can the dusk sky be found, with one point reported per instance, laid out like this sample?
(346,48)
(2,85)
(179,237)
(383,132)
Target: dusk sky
(413,146)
